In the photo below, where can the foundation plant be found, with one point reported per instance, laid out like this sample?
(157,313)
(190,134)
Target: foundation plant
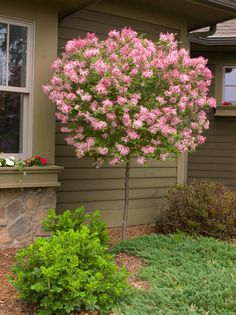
(201,208)
(70,270)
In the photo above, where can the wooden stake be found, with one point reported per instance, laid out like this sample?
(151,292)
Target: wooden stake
(126,202)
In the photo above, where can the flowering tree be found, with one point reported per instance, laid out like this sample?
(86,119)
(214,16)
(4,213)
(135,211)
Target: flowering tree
(128,96)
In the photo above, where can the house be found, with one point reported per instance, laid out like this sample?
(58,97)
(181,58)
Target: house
(32,33)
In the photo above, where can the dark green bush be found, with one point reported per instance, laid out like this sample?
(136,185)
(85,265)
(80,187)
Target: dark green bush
(68,271)
(200,208)
(75,220)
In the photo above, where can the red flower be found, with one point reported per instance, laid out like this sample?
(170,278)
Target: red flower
(43,161)
(35,160)
(227,103)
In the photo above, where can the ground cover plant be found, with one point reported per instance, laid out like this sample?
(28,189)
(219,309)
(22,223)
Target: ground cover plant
(200,208)
(187,275)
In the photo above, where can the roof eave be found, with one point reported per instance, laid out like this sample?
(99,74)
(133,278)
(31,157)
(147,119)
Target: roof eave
(220,41)
(229,4)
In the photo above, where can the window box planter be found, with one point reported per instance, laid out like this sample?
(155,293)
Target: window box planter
(31,176)
(229,110)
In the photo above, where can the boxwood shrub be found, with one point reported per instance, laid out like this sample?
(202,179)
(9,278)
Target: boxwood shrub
(75,220)
(69,271)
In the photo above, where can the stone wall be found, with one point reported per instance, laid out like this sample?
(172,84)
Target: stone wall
(21,213)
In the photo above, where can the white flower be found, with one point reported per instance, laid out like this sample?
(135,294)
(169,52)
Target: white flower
(10,161)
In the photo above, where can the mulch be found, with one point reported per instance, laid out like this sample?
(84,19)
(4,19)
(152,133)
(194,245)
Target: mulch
(133,265)
(9,302)
(11,305)
(132,232)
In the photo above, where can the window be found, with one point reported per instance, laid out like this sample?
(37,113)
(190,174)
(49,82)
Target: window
(229,88)
(16,45)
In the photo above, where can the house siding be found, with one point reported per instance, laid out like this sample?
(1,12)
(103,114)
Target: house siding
(216,159)
(81,182)
(84,21)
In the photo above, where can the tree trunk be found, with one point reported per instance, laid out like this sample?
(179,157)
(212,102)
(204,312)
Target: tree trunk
(126,202)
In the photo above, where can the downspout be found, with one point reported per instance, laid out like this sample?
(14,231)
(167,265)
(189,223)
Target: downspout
(211,32)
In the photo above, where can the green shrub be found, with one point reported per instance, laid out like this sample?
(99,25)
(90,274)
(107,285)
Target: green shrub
(200,208)
(69,271)
(74,220)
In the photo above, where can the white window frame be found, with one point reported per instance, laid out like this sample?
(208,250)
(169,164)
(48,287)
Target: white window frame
(223,83)
(27,91)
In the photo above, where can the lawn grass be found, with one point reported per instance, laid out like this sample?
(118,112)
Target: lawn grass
(187,276)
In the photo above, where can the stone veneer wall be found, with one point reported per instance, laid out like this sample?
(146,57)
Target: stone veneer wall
(21,213)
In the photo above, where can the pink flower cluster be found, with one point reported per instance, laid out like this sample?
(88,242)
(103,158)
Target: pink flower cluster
(128,96)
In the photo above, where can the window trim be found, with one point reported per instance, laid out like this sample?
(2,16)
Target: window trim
(223,83)
(27,133)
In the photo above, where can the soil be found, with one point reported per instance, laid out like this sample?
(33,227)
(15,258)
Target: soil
(133,265)
(132,232)
(11,305)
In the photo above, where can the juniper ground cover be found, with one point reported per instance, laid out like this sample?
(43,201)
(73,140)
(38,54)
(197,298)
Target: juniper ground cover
(187,275)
